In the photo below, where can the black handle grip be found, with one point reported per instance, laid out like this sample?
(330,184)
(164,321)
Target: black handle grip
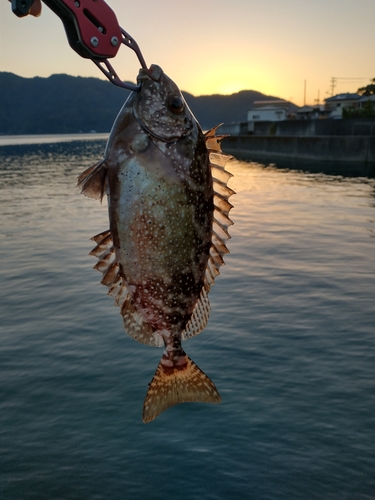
(21,7)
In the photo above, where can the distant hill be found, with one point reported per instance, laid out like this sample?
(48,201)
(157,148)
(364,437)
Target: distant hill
(69,104)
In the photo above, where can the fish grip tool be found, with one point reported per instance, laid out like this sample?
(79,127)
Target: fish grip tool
(93,32)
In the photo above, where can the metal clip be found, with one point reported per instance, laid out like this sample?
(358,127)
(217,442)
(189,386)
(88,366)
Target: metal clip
(94,33)
(109,71)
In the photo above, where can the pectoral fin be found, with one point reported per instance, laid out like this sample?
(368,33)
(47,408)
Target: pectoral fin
(93,181)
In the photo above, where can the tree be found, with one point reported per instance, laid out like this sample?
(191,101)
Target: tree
(368,90)
(367,111)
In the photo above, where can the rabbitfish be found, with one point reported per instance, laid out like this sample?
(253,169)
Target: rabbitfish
(168,215)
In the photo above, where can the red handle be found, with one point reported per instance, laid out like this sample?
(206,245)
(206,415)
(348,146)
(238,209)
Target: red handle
(97,25)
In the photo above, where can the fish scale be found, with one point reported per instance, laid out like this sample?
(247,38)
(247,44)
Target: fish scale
(168,214)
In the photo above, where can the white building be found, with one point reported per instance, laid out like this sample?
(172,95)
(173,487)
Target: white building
(263,111)
(338,102)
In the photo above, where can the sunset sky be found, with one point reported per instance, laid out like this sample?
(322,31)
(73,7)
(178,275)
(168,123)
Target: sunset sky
(216,46)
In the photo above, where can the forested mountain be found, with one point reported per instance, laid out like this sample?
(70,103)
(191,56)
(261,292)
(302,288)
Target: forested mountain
(68,104)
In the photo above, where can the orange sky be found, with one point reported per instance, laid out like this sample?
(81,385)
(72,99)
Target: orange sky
(215,46)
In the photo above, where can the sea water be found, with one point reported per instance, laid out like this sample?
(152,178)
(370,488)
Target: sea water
(289,344)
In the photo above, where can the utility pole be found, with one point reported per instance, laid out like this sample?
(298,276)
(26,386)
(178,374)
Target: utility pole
(333,85)
(348,80)
(304,94)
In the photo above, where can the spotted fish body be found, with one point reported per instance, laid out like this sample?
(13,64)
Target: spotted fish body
(168,211)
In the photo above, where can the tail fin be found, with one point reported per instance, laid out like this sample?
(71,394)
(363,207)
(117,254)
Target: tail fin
(178,384)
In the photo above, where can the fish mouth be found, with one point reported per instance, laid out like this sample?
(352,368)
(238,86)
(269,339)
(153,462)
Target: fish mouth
(159,87)
(154,72)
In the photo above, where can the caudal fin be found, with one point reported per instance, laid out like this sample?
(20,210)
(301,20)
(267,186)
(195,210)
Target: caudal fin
(173,385)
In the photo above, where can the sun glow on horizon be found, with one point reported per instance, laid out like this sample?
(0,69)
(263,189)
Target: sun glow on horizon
(231,88)
(232,82)
(279,51)
(235,76)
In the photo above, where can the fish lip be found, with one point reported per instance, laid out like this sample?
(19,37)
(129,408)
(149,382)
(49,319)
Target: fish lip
(154,72)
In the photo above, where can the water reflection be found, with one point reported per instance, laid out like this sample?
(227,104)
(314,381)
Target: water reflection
(344,169)
(289,344)
(250,173)
(7,140)
(25,165)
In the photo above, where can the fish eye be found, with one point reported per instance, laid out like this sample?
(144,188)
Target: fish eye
(176,104)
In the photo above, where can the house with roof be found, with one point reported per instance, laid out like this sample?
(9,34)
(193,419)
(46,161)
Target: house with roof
(337,103)
(262,111)
(312,112)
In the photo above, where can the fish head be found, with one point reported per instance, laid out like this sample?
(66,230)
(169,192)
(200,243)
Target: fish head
(160,107)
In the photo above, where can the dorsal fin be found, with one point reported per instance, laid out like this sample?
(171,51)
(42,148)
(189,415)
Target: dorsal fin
(222,193)
(199,317)
(220,234)
(107,264)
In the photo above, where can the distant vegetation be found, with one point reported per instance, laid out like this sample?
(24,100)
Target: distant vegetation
(368,108)
(368,90)
(367,111)
(67,104)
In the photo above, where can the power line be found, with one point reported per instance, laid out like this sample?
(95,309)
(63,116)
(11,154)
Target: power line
(349,79)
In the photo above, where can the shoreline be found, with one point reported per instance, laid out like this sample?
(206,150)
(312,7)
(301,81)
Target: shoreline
(353,149)
(17,140)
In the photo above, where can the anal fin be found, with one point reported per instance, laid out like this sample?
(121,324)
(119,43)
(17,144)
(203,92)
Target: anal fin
(178,384)
(134,323)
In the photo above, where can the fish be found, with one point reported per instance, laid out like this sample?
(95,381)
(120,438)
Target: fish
(167,190)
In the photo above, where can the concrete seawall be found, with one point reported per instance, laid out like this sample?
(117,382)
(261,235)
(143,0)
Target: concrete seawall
(319,148)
